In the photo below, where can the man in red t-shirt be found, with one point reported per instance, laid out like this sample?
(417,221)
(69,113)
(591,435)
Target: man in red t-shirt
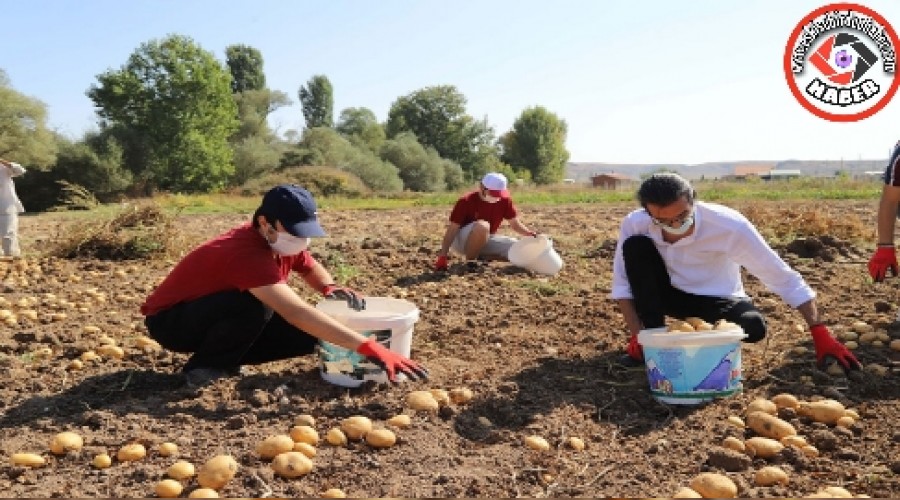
(228,302)
(474,221)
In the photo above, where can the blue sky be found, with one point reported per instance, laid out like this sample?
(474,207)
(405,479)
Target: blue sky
(641,81)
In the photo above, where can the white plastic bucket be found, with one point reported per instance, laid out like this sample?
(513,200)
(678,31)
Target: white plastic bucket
(389,320)
(536,254)
(692,368)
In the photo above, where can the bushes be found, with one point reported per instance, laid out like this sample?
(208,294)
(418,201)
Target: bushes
(320,181)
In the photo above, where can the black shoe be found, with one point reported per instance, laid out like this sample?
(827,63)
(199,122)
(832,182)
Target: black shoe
(200,377)
(475,265)
(629,362)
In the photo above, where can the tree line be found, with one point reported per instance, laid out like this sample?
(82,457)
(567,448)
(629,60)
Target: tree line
(173,118)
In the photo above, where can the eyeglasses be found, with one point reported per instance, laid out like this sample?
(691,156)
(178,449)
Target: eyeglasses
(674,221)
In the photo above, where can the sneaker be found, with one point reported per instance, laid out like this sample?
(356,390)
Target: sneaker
(200,377)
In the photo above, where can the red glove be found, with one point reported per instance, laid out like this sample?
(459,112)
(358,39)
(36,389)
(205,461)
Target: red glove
(884,258)
(634,349)
(441,263)
(354,299)
(391,361)
(828,347)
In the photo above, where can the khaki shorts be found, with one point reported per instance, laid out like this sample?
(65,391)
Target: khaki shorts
(496,245)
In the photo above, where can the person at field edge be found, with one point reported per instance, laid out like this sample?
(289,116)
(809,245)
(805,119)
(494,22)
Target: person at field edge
(474,221)
(885,257)
(10,208)
(681,257)
(228,302)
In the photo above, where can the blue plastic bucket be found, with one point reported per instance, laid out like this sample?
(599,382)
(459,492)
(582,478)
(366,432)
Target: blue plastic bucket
(692,368)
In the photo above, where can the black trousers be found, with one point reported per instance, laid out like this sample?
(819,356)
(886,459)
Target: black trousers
(655,297)
(226,330)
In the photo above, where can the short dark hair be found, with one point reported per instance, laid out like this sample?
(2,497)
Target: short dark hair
(664,188)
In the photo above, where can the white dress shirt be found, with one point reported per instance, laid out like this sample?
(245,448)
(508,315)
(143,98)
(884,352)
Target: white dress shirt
(708,262)
(9,201)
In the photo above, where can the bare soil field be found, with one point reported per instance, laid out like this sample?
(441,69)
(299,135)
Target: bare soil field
(540,355)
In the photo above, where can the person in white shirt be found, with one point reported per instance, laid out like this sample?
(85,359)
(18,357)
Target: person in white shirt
(680,257)
(10,208)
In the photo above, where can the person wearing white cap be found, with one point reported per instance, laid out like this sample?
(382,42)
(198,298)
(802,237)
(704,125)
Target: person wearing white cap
(474,221)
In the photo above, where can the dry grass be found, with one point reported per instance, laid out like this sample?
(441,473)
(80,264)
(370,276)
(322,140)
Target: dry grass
(784,221)
(137,232)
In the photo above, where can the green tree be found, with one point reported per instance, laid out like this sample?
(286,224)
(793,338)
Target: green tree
(170,106)
(317,100)
(420,169)
(246,65)
(324,146)
(361,127)
(437,116)
(537,142)
(253,109)
(24,137)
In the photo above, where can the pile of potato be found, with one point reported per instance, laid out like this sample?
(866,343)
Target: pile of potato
(771,435)
(694,324)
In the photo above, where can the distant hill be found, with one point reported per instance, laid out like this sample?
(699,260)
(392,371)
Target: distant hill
(582,171)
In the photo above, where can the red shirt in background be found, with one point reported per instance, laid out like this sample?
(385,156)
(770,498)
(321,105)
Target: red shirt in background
(470,207)
(240,259)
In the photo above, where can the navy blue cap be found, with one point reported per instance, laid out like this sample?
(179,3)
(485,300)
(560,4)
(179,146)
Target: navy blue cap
(295,208)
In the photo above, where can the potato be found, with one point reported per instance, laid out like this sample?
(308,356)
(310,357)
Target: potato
(217,471)
(536,443)
(334,493)
(763,405)
(65,442)
(181,470)
(400,421)
(111,351)
(694,321)
(679,326)
(810,451)
(868,338)
(861,327)
(101,461)
(462,395)
(381,438)
(798,441)
(763,447)
(895,345)
(845,421)
(736,421)
(336,437)
(27,460)
(769,475)
(849,412)
(725,325)
(75,364)
(304,434)
(441,396)
(306,420)
(686,492)
(168,488)
(786,401)
(168,449)
(733,443)
(770,426)
(422,401)
(144,342)
(305,448)
(90,356)
(274,445)
(576,443)
(131,452)
(204,493)
(827,411)
(831,492)
(712,485)
(291,464)
(356,427)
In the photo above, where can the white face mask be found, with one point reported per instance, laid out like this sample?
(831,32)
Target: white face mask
(490,199)
(286,244)
(683,228)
